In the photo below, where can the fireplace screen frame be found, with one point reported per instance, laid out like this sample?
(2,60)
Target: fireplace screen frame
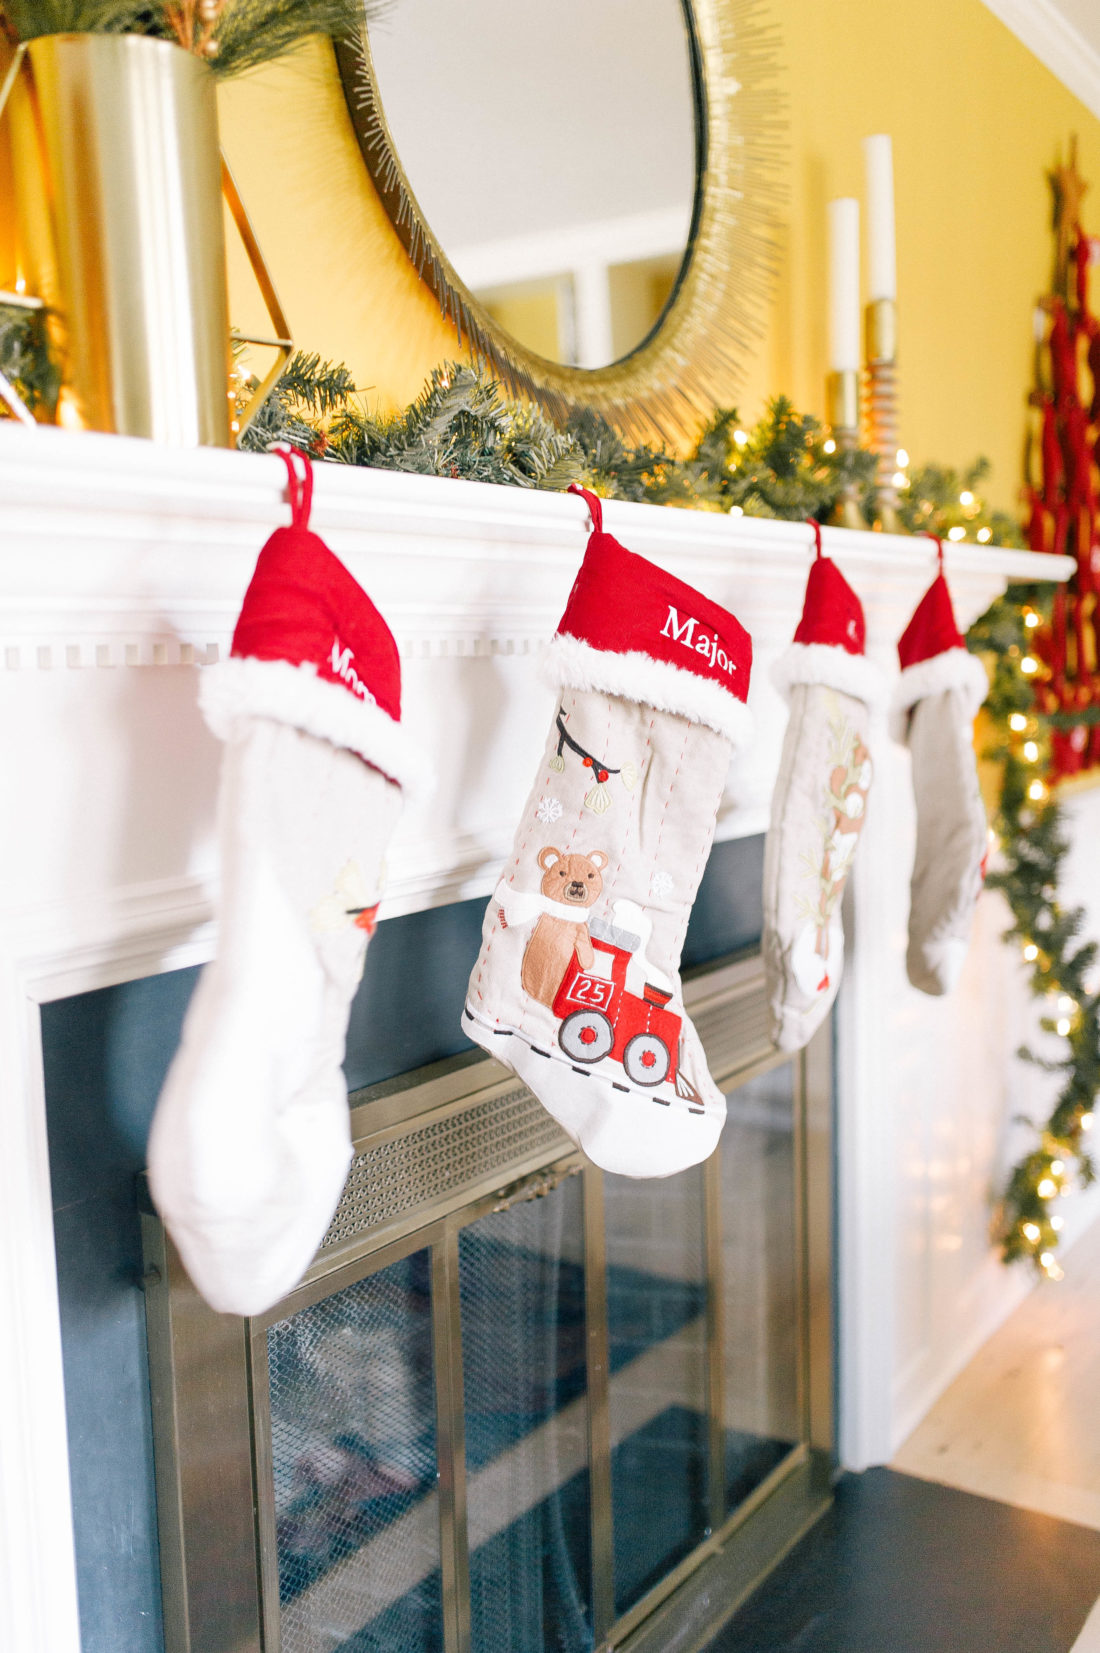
(437,1150)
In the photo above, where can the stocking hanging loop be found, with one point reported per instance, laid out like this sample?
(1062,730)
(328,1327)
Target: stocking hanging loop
(595,509)
(938,543)
(299,472)
(813,523)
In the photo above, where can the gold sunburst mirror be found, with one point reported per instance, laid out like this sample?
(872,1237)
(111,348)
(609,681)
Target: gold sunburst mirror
(588,189)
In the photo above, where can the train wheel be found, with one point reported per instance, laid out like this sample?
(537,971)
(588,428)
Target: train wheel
(586,1036)
(647,1059)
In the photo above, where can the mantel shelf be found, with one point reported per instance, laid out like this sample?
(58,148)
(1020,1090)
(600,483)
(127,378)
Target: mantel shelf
(107,536)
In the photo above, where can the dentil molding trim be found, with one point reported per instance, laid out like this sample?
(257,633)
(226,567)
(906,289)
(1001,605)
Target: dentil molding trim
(118,553)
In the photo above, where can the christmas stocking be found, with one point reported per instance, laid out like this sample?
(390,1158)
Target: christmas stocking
(576,986)
(250,1144)
(818,804)
(937,698)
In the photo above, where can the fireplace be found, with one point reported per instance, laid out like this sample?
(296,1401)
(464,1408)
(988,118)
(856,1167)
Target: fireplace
(123,570)
(516,1403)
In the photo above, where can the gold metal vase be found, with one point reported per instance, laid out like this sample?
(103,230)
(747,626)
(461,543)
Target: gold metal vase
(119,230)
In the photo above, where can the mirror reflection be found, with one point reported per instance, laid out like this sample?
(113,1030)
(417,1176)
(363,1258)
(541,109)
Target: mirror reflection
(552,151)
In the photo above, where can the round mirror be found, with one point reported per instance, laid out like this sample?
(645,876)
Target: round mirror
(589,190)
(552,151)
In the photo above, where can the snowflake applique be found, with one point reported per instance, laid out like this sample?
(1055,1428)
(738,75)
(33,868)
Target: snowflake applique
(548,811)
(660,885)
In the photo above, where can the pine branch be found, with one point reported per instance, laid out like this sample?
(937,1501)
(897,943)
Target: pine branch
(26,359)
(233,36)
(28,19)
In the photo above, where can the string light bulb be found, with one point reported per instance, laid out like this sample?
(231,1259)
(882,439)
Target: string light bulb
(1057,1167)
(966,497)
(1017,722)
(1057,1223)
(1047,1189)
(957,533)
(1031,619)
(829,445)
(741,437)
(1029,664)
(1031,751)
(985,535)
(1036,791)
(1062,1026)
(902,459)
(1032,1232)
(1031,952)
(1086,1121)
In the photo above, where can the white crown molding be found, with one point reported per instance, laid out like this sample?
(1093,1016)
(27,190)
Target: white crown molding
(1046,32)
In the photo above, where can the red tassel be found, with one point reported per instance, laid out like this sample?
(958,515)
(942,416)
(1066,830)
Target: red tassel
(1081,675)
(1037,521)
(1058,645)
(1063,357)
(1079,481)
(1094,369)
(1052,457)
(1088,555)
(1083,254)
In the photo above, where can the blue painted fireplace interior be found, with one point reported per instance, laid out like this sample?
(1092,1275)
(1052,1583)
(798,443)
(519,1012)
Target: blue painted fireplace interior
(105,1056)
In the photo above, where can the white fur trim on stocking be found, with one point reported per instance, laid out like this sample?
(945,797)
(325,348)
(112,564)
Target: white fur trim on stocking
(832,668)
(953,669)
(238,689)
(638,677)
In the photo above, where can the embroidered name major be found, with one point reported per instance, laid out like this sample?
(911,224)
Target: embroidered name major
(709,646)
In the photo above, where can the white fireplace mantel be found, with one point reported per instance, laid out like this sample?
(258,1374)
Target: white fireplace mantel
(122,567)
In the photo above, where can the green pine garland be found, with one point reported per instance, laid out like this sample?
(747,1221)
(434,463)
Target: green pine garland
(461,426)
(1033,848)
(26,360)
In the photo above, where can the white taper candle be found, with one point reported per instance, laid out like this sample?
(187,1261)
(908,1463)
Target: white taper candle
(878,155)
(843,220)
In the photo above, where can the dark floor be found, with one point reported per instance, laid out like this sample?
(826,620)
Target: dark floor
(903,1566)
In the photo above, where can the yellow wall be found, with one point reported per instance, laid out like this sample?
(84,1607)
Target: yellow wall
(976,121)
(340,272)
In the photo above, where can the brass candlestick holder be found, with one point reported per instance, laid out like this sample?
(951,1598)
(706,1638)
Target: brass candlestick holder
(842,416)
(881,319)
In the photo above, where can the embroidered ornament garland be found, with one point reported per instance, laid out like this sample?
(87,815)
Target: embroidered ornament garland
(599,799)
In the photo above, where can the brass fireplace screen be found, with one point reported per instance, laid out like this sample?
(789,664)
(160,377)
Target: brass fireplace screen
(516,1404)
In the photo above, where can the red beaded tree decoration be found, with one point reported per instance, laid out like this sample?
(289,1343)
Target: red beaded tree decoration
(1064,450)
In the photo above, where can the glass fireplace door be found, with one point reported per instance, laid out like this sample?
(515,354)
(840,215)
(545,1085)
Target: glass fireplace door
(517,1405)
